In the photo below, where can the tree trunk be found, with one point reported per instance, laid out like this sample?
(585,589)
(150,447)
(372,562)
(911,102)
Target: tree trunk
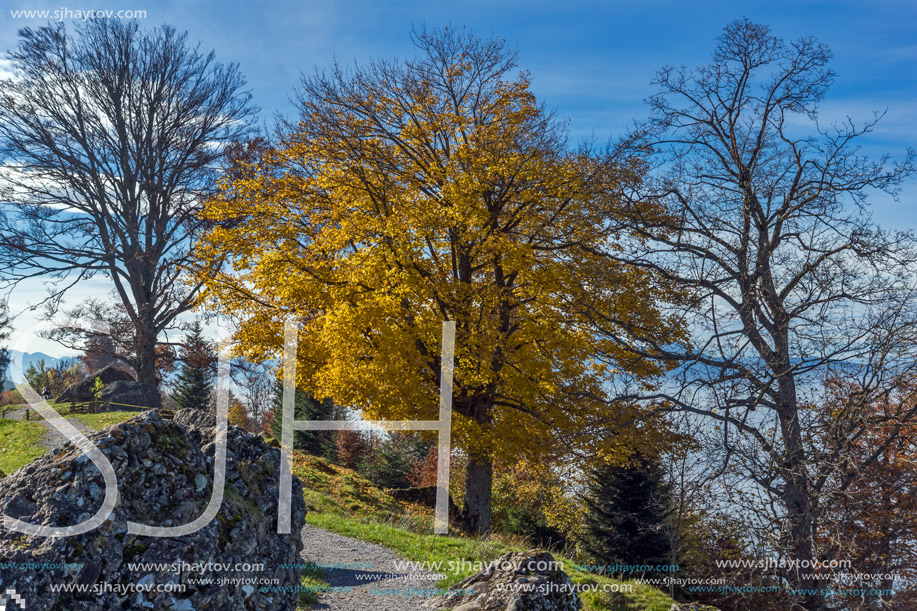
(798,502)
(801,549)
(146,357)
(478,489)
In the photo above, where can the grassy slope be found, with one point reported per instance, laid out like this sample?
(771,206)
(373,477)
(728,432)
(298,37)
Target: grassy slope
(21,440)
(341,501)
(20,443)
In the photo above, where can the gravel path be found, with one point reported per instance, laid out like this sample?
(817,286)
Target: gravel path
(53,439)
(366,574)
(16,414)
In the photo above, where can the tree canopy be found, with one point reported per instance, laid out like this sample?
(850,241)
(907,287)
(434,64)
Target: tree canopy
(111,134)
(437,188)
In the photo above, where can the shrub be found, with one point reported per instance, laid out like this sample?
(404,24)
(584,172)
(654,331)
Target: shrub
(11,397)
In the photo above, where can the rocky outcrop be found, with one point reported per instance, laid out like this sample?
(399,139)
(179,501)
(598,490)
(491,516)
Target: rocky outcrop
(124,395)
(691,607)
(527,581)
(164,466)
(82,391)
(196,418)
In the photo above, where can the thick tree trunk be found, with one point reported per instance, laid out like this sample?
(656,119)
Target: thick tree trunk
(479,473)
(798,502)
(146,357)
(478,489)
(801,548)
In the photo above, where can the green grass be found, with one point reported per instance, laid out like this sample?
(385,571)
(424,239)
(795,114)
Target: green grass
(335,489)
(20,443)
(445,549)
(642,597)
(98,422)
(61,408)
(341,501)
(21,440)
(312,581)
(94,421)
(414,545)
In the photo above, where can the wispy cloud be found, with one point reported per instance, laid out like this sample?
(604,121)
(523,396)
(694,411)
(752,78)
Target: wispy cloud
(897,54)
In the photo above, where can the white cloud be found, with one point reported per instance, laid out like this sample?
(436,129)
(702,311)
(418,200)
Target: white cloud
(6,68)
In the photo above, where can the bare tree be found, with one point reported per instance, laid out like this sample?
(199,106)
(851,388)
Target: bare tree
(115,346)
(257,381)
(764,227)
(110,139)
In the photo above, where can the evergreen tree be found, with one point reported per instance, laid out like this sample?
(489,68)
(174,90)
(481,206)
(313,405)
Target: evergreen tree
(37,376)
(306,407)
(394,464)
(195,381)
(626,513)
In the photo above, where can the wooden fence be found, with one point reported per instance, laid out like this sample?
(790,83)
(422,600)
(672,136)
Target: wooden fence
(82,407)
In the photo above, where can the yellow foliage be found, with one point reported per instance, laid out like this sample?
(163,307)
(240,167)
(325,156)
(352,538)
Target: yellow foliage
(532,489)
(398,202)
(237,415)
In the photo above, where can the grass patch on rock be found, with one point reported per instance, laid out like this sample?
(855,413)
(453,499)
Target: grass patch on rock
(97,422)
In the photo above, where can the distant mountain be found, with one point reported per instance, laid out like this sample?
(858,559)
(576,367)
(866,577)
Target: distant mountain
(32,358)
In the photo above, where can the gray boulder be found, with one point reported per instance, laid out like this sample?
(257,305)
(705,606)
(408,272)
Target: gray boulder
(165,471)
(120,396)
(82,391)
(526,581)
(196,418)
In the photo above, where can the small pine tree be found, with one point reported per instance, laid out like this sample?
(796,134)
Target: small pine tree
(37,376)
(306,407)
(626,514)
(195,381)
(394,465)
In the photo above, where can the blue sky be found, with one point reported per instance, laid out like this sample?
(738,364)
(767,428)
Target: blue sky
(591,61)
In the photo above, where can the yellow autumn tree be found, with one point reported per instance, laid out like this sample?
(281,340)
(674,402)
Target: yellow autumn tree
(438,188)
